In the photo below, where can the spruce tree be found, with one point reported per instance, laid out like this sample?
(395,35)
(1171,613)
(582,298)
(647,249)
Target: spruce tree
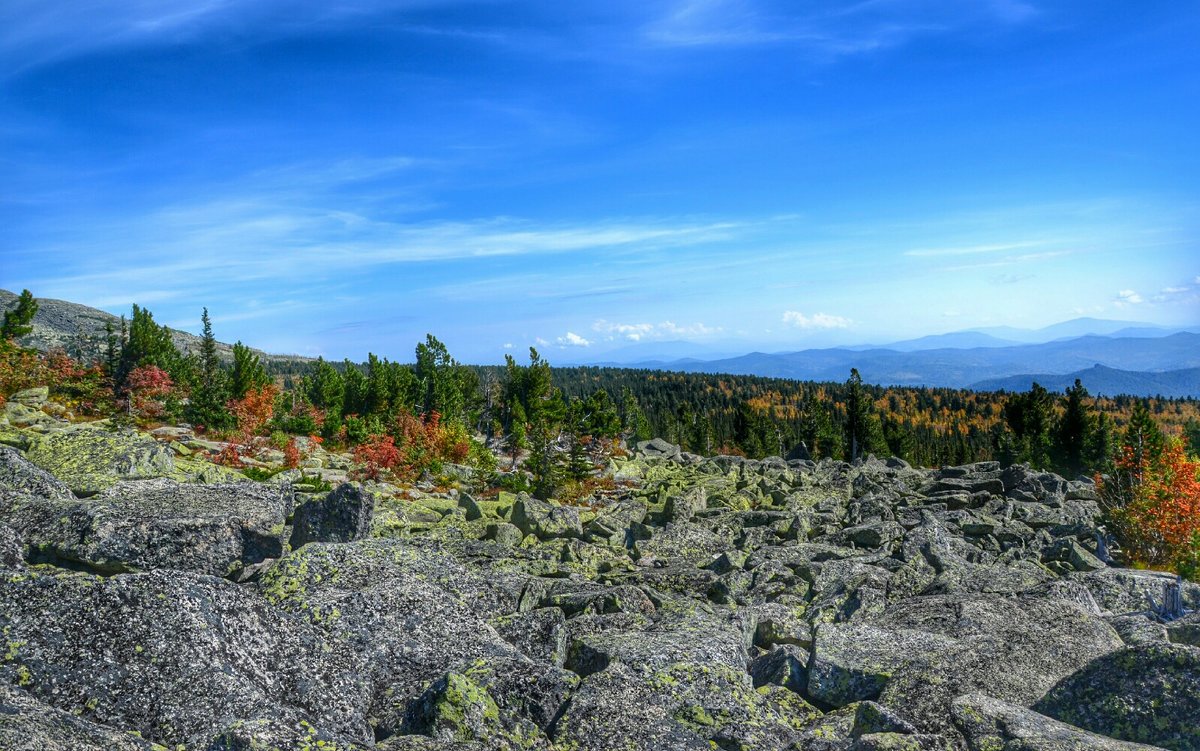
(17,321)
(210,391)
(248,372)
(1071,436)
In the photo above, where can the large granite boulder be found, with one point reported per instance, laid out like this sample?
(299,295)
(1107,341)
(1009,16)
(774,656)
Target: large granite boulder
(990,724)
(222,530)
(179,657)
(1149,693)
(26,724)
(19,474)
(89,459)
(343,515)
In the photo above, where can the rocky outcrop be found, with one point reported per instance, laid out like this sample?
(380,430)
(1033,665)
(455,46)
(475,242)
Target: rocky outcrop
(221,530)
(343,515)
(1149,693)
(29,725)
(179,657)
(90,459)
(703,603)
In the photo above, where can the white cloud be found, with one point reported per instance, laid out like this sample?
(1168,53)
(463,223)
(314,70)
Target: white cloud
(636,332)
(1174,290)
(798,320)
(540,341)
(508,345)
(1128,297)
(824,32)
(571,339)
(970,250)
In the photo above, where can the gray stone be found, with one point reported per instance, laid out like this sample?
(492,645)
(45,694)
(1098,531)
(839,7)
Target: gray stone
(989,723)
(137,526)
(176,656)
(19,474)
(89,459)
(544,519)
(343,515)
(1149,694)
(26,724)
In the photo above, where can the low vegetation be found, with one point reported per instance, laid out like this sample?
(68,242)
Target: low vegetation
(532,427)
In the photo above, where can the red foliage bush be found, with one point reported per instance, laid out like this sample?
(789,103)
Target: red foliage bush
(375,457)
(146,388)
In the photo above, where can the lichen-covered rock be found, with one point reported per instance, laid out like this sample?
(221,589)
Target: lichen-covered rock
(540,634)
(992,725)
(12,549)
(176,656)
(852,662)
(343,515)
(19,474)
(410,610)
(1012,648)
(1186,630)
(545,520)
(26,724)
(1148,694)
(501,703)
(89,459)
(785,665)
(137,526)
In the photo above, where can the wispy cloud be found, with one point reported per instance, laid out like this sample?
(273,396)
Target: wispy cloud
(825,32)
(816,321)
(970,250)
(239,241)
(34,32)
(637,332)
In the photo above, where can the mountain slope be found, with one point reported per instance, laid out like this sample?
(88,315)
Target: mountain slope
(1107,381)
(79,330)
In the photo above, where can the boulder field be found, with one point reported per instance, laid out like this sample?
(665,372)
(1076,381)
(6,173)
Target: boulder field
(699,604)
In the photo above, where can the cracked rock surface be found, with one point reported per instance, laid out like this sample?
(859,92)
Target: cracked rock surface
(714,603)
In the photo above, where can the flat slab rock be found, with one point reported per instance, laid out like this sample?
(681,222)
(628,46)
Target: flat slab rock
(150,524)
(179,657)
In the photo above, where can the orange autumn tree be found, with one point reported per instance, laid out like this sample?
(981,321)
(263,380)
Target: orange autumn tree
(1152,501)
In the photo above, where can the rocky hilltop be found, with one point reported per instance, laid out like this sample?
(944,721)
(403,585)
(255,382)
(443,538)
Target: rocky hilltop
(79,330)
(704,603)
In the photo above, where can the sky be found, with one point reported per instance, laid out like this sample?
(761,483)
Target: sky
(341,177)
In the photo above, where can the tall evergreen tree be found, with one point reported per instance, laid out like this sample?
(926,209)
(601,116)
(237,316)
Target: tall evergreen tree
(150,344)
(17,321)
(863,431)
(248,371)
(354,399)
(210,391)
(1142,434)
(1073,429)
(532,388)
(1029,416)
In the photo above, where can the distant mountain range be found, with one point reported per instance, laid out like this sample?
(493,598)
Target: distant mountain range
(1138,365)
(1101,380)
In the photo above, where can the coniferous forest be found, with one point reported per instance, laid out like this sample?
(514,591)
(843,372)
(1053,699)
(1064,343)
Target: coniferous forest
(404,419)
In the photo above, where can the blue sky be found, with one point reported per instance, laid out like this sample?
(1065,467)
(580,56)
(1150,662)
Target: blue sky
(341,177)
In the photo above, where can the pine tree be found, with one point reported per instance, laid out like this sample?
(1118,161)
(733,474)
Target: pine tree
(210,391)
(148,343)
(863,433)
(1073,429)
(248,371)
(17,321)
